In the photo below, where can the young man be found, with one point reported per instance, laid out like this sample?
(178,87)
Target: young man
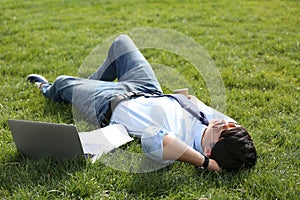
(168,132)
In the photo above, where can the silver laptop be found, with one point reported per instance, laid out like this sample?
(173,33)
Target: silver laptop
(39,139)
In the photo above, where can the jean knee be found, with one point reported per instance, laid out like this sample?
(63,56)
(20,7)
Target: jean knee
(123,39)
(122,45)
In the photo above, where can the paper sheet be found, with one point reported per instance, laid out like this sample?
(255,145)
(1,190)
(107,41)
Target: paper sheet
(103,140)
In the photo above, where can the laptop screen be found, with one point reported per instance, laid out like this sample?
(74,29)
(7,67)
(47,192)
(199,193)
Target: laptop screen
(38,139)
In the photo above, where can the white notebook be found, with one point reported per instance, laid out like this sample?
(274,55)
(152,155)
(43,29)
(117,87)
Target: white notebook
(103,140)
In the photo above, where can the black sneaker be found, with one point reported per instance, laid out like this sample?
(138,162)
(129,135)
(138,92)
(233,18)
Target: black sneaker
(35,78)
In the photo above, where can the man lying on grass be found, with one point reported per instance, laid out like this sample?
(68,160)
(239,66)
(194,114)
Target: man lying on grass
(168,131)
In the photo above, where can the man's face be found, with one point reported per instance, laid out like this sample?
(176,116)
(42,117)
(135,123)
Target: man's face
(212,134)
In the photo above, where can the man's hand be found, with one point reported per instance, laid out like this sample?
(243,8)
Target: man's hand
(213,166)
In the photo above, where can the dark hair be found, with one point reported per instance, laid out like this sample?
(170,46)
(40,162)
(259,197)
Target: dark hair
(234,150)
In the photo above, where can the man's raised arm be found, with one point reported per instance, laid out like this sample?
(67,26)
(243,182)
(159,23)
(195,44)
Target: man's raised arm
(175,149)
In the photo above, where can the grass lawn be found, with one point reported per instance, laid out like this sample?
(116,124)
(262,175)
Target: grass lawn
(255,45)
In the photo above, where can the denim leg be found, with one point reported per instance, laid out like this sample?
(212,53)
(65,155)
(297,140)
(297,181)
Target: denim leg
(78,92)
(126,63)
(89,98)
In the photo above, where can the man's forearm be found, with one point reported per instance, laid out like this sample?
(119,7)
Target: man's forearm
(175,149)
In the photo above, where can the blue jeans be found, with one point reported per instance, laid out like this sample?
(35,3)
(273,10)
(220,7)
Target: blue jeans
(91,97)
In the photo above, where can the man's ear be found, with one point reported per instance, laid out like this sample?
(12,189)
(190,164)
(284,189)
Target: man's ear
(208,152)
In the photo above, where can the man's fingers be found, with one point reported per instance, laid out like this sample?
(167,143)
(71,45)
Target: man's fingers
(213,166)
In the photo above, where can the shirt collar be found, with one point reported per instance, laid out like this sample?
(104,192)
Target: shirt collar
(198,137)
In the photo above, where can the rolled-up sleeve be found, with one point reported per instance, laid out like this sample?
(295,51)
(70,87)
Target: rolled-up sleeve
(152,144)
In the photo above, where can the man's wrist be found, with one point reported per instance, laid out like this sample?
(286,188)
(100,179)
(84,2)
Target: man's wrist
(205,162)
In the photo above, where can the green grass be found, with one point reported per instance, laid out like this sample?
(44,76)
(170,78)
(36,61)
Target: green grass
(255,46)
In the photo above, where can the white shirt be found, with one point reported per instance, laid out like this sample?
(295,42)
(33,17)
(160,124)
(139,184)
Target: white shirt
(152,118)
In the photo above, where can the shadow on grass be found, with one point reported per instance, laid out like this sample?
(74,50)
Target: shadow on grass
(58,111)
(21,172)
(185,179)
(80,178)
